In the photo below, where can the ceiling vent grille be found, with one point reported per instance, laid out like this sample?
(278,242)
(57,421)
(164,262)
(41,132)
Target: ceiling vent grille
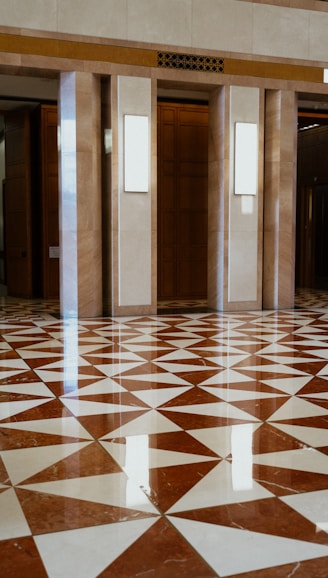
(197,62)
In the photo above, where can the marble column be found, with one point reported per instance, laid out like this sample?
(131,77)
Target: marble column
(80,195)
(279,199)
(134,222)
(217,195)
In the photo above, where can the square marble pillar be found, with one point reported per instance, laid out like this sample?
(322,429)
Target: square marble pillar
(133,213)
(217,187)
(280,199)
(80,195)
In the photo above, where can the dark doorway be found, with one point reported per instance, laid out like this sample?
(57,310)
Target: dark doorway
(182,200)
(312,207)
(30,202)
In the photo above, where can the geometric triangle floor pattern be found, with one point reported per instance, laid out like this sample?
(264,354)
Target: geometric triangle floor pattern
(185,445)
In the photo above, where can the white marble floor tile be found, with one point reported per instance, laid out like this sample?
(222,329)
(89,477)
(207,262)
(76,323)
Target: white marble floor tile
(306,460)
(233,551)
(110,489)
(220,487)
(12,520)
(151,422)
(311,505)
(21,464)
(86,552)
(61,426)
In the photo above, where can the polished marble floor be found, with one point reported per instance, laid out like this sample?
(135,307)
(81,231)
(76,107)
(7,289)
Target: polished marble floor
(189,445)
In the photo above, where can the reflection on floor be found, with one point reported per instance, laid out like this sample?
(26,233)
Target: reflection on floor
(191,445)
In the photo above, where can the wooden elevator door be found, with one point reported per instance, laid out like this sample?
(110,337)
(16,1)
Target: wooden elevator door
(182,200)
(18,205)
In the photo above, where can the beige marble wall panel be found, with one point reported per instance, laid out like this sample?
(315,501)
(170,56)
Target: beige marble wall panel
(229,26)
(318,36)
(281,31)
(135,210)
(107,18)
(38,14)
(242,266)
(243,256)
(222,25)
(160,21)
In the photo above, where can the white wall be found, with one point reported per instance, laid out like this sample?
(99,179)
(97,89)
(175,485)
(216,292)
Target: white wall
(227,25)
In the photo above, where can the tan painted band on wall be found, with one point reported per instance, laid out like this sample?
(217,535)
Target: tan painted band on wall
(59,48)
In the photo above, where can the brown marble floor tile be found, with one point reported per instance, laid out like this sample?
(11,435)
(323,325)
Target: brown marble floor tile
(262,409)
(160,552)
(11,439)
(268,439)
(284,482)
(269,516)
(100,425)
(188,421)
(20,557)
(92,460)
(47,513)
(168,485)
(316,568)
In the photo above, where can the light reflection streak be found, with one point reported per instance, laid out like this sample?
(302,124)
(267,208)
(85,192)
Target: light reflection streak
(242,458)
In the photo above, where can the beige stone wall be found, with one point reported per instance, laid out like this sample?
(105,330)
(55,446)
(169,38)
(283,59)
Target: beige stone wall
(276,29)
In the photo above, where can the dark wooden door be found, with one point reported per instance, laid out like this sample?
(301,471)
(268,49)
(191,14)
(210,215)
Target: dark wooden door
(49,200)
(17,205)
(182,200)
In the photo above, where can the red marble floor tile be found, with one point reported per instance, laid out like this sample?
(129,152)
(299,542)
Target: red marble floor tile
(285,482)
(61,387)
(8,397)
(268,516)
(92,460)
(268,439)
(197,377)
(320,402)
(86,370)
(47,513)
(122,398)
(188,421)
(20,557)
(252,385)
(20,377)
(307,569)
(160,552)
(40,362)
(140,385)
(315,385)
(11,439)
(5,355)
(314,421)
(144,369)
(178,441)
(260,408)
(167,485)
(312,368)
(50,409)
(154,354)
(101,424)
(191,397)
(4,478)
